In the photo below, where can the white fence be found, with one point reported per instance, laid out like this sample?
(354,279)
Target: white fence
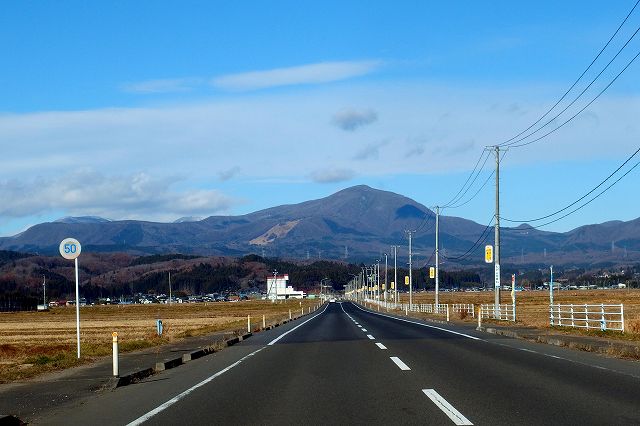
(504,312)
(599,317)
(466,308)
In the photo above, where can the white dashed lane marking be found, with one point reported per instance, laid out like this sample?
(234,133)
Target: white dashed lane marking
(401,365)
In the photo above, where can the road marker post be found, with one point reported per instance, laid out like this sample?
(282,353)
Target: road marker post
(479,328)
(264,321)
(289,314)
(116,371)
(249,323)
(447,312)
(70,249)
(302,312)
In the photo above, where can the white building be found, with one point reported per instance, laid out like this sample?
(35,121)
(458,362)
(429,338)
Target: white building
(277,288)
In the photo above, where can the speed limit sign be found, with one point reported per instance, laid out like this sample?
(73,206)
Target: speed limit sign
(70,248)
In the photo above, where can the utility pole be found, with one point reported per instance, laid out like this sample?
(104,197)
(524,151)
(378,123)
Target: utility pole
(386,283)
(410,273)
(44,291)
(496,254)
(395,275)
(377,266)
(437,252)
(169,287)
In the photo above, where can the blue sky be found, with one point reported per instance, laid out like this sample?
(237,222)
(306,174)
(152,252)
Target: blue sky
(159,110)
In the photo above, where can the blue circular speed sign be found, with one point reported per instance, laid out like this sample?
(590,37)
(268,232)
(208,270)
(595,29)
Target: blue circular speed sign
(70,248)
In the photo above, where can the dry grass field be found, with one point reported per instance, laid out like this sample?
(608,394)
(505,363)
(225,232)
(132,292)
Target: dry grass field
(35,342)
(532,307)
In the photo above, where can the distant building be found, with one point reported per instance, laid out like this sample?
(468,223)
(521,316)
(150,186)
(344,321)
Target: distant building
(277,288)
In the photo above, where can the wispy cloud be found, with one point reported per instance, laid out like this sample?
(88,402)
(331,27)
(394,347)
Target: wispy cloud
(332,175)
(86,192)
(169,85)
(370,151)
(350,119)
(228,174)
(323,72)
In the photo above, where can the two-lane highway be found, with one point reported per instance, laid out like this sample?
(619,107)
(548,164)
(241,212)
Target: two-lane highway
(347,365)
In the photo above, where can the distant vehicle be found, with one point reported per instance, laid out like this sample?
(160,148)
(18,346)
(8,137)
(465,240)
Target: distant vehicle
(332,300)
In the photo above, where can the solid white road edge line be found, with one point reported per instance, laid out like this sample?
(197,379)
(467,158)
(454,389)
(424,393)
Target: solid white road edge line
(399,363)
(381,346)
(418,323)
(455,415)
(371,337)
(177,398)
(297,326)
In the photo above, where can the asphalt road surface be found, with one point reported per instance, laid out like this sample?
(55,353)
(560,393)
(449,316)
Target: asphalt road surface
(346,365)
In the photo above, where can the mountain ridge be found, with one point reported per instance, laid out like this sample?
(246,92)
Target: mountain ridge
(359,222)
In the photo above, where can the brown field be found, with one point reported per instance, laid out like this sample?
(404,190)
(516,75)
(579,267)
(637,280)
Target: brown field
(532,307)
(35,342)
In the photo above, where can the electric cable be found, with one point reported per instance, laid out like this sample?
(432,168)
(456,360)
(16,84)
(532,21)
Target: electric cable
(579,199)
(577,80)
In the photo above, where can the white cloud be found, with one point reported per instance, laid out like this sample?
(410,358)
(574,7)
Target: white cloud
(86,192)
(350,119)
(275,137)
(323,72)
(169,85)
(332,175)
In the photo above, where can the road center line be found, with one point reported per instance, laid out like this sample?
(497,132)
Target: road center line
(371,337)
(455,415)
(399,363)
(364,329)
(418,323)
(380,345)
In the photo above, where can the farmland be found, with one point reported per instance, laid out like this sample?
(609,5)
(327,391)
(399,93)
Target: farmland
(533,306)
(35,342)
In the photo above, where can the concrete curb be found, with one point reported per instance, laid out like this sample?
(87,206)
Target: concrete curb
(617,349)
(136,376)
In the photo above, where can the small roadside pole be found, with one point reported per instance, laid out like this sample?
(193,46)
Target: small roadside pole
(264,321)
(301,311)
(289,314)
(116,371)
(551,294)
(447,312)
(513,295)
(479,318)
(248,323)
(70,249)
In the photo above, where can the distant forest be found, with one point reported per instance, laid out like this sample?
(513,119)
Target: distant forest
(21,276)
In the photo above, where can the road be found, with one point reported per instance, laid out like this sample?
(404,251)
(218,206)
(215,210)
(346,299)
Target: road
(346,365)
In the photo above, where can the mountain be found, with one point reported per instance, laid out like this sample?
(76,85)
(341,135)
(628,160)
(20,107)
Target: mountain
(82,219)
(358,223)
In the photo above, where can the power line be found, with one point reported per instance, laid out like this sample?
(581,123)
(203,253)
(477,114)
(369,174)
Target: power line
(454,199)
(588,202)
(516,143)
(482,238)
(579,199)
(577,80)
(481,187)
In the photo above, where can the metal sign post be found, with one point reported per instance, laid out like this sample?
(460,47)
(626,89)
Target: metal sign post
(70,249)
